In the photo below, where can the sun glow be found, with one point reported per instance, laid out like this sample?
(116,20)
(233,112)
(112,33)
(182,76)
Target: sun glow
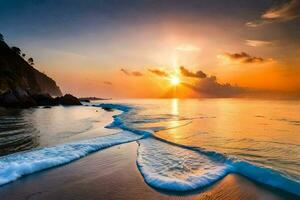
(174,80)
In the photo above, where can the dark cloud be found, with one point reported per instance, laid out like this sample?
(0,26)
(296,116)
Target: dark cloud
(284,12)
(209,87)
(187,73)
(158,72)
(129,73)
(125,71)
(136,73)
(107,82)
(244,58)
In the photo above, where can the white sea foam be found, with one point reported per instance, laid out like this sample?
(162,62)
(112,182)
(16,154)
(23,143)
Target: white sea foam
(180,168)
(118,121)
(14,166)
(170,167)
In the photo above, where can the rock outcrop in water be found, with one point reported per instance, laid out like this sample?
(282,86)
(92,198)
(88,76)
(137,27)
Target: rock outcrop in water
(67,100)
(23,99)
(22,86)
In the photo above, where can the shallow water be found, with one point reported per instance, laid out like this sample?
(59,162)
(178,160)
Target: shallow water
(40,127)
(263,132)
(256,138)
(186,144)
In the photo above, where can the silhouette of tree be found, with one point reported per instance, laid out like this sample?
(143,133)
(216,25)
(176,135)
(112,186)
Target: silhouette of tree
(1,37)
(30,61)
(23,55)
(17,50)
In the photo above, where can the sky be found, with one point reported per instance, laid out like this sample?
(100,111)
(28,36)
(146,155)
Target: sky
(135,48)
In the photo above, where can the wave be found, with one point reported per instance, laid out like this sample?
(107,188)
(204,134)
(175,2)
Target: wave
(170,167)
(118,122)
(121,107)
(16,165)
(176,167)
(189,168)
(163,164)
(266,176)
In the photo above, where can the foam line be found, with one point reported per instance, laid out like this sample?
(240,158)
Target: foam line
(16,165)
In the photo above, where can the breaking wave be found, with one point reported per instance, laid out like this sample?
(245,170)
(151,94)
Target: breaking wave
(15,165)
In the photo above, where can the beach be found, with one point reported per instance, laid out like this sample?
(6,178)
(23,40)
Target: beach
(112,174)
(144,99)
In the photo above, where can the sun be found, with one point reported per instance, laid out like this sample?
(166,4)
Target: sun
(174,80)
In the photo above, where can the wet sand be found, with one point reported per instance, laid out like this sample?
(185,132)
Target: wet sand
(112,174)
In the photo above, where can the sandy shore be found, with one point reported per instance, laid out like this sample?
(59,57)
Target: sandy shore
(112,174)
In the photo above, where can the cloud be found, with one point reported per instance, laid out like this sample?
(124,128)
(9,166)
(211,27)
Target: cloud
(209,87)
(257,43)
(125,71)
(187,47)
(284,12)
(107,82)
(129,73)
(242,58)
(158,72)
(257,23)
(187,73)
(136,73)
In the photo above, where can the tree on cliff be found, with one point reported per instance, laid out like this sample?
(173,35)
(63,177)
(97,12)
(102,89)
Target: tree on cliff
(17,50)
(1,37)
(30,61)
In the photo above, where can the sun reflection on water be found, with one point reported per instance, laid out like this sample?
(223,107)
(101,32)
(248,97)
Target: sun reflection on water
(174,107)
(174,123)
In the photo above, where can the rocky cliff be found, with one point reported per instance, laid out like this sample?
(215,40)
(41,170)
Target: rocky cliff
(15,73)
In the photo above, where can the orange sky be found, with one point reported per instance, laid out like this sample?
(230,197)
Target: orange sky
(252,46)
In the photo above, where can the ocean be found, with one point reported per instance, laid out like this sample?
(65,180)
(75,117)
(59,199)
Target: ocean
(184,144)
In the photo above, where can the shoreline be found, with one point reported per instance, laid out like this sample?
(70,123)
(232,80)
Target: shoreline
(112,173)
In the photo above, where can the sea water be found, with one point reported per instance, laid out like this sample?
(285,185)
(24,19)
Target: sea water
(40,127)
(184,144)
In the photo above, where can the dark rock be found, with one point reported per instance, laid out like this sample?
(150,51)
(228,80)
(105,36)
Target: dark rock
(44,100)
(85,100)
(68,100)
(17,98)
(47,107)
(8,99)
(93,98)
(25,100)
(20,98)
(108,109)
